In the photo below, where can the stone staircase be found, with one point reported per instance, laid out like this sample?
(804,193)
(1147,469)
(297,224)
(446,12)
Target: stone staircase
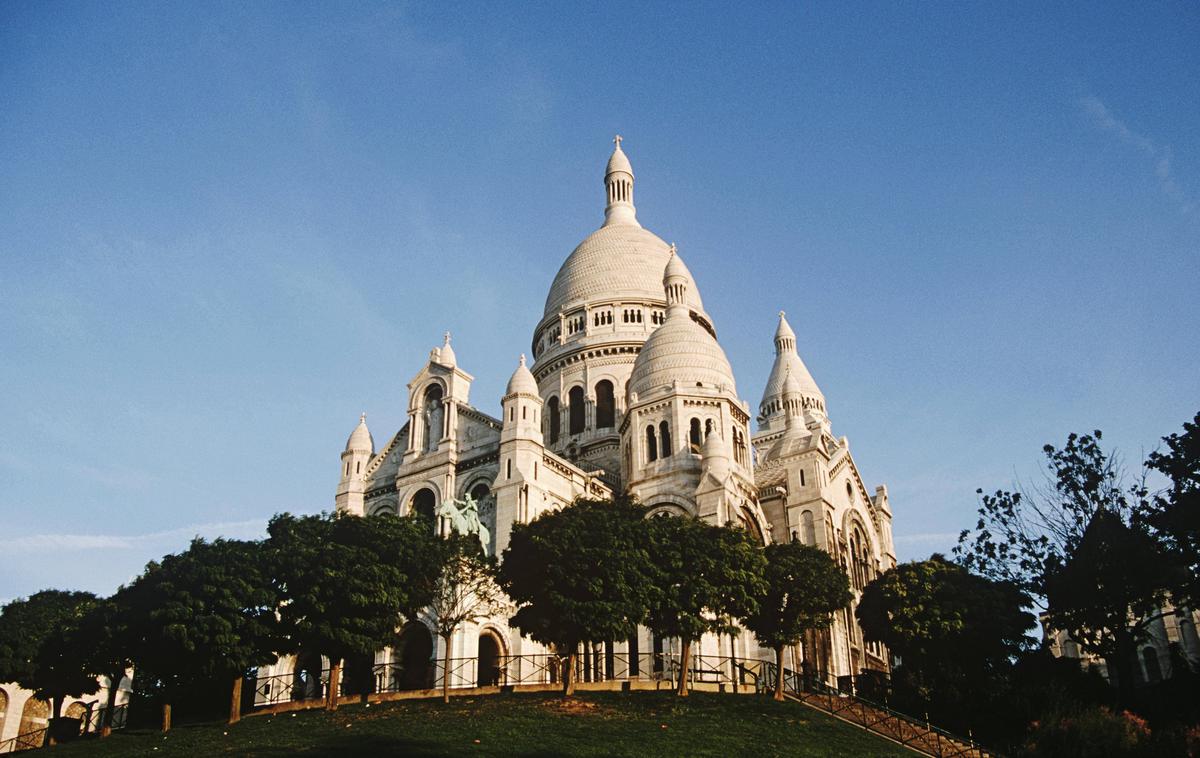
(905,730)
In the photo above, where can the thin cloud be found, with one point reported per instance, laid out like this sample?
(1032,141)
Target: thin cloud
(74,543)
(1159,156)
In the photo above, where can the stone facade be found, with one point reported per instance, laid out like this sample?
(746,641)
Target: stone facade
(629,390)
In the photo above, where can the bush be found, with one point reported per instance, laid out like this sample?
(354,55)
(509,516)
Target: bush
(1090,732)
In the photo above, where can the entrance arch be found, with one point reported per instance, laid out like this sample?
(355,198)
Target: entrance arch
(416,650)
(488,662)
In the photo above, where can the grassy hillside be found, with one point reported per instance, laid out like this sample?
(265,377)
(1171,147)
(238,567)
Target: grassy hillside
(642,724)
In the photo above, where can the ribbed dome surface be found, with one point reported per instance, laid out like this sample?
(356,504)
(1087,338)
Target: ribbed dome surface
(614,262)
(680,350)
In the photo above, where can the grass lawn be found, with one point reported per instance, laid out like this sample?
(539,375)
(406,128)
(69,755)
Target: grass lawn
(643,724)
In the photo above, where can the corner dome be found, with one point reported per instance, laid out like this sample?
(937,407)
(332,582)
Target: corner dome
(360,439)
(522,381)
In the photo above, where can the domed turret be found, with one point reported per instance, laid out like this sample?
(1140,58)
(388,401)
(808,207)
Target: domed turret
(360,439)
(522,381)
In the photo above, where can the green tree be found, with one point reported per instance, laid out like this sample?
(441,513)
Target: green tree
(1173,514)
(804,587)
(956,633)
(465,592)
(347,581)
(704,577)
(579,574)
(34,649)
(208,613)
(104,633)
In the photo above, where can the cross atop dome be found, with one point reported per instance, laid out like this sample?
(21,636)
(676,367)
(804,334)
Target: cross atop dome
(617,141)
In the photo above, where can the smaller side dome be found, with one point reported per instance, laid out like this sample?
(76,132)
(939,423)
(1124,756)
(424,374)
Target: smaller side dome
(360,440)
(522,381)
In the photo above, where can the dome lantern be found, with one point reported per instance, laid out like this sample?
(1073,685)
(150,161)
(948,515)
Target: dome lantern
(618,186)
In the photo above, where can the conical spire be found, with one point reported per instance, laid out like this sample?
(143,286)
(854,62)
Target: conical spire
(675,280)
(618,186)
(788,370)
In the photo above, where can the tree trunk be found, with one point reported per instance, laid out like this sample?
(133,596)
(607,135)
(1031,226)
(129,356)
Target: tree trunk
(569,674)
(685,654)
(235,701)
(106,719)
(446,669)
(55,707)
(1126,665)
(166,718)
(335,676)
(779,673)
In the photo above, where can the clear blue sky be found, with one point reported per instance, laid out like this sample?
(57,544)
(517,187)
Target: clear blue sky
(226,229)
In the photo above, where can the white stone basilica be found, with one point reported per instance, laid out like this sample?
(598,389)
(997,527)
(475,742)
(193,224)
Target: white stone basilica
(630,391)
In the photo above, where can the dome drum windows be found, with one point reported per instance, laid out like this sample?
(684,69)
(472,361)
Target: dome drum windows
(632,316)
(651,444)
(602,318)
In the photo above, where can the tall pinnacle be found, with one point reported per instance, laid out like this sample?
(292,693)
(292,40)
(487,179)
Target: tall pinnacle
(618,186)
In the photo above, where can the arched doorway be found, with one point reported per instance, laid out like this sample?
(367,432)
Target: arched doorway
(416,650)
(34,719)
(423,504)
(488,671)
(306,680)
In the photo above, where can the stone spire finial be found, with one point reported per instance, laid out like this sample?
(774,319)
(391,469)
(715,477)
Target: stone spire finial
(522,360)
(446,338)
(617,141)
(362,417)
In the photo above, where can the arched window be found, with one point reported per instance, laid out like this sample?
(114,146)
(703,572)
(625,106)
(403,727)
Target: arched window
(694,435)
(664,438)
(651,444)
(1153,669)
(423,504)
(708,427)
(606,409)
(575,408)
(555,421)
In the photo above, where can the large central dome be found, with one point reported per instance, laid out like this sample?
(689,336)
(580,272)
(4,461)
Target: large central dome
(614,262)
(620,260)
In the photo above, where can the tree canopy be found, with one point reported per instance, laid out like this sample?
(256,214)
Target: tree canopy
(346,581)
(1173,514)
(579,574)
(34,647)
(803,587)
(206,613)
(704,576)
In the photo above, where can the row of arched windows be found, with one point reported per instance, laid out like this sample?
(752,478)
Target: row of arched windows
(606,410)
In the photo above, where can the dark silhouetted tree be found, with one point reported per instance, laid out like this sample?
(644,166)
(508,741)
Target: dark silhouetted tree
(1173,514)
(35,651)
